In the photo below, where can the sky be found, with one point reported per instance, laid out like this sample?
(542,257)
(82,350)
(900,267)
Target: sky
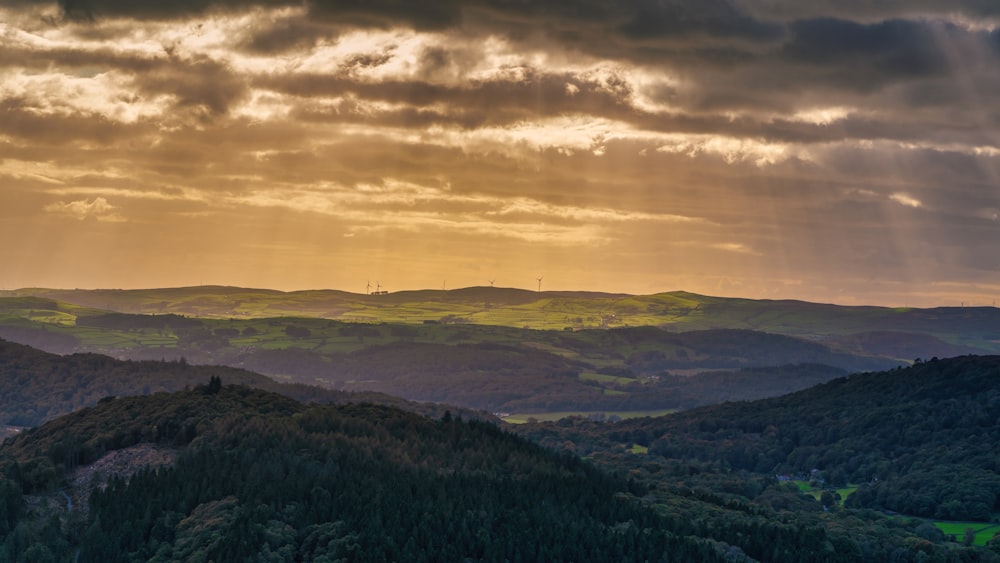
(843,151)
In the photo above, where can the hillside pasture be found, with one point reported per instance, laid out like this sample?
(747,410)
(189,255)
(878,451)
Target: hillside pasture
(984,531)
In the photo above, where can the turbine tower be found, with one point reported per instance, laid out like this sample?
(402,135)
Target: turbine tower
(539,282)
(491,282)
(368,287)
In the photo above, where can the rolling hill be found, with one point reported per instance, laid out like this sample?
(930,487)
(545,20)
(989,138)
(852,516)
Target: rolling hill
(247,475)
(37,386)
(920,440)
(497,369)
(969,327)
(230,473)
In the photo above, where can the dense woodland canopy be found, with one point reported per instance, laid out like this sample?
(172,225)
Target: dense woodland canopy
(252,475)
(260,477)
(921,441)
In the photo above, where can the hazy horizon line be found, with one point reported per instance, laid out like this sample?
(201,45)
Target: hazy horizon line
(962,304)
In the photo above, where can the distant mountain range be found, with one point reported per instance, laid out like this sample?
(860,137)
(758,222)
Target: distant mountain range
(959,329)
(37,386)
(588,352)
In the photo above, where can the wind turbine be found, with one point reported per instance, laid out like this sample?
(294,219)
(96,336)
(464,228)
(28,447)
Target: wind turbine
(368,287)
(539,282)
(378,287)
(491,282)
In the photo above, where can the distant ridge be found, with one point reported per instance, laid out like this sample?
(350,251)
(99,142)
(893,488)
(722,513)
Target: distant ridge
(37,386)
(965,329)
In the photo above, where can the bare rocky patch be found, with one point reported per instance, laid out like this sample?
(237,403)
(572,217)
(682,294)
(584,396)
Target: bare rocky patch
(121,463)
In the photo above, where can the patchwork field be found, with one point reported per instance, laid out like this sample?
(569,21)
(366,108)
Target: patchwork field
(501,349)
(954,330)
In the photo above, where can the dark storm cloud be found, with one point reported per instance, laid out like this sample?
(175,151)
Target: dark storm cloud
(420,15)
(867,9)
(96,9)
(20,120)
(202,83)
(717,18)
(887,49)
(529,92)
(438,14)
(286,34)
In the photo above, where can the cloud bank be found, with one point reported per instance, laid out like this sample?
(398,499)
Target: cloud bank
(835,151)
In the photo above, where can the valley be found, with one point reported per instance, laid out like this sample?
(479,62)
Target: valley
(720,443)
(626,354)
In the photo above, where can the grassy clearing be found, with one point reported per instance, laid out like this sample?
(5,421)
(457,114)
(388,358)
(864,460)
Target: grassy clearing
(817,492)
(637,449)
(554,416)
(846,492)
(602,378)
(984,531)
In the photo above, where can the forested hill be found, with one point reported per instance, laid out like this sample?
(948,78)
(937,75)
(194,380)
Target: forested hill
(36,386)
(921,440)
(259,477)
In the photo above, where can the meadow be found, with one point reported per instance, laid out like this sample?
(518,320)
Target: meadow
(983,531)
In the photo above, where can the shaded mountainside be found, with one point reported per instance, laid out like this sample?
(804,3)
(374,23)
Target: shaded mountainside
(484,367)
(36,386)
(519,371)
(260,477)
(921,440)
(230,473)
(897,344)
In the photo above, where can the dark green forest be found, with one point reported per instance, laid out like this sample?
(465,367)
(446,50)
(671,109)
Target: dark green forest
(257,476)
(921,441)
(246,474)
(260,477)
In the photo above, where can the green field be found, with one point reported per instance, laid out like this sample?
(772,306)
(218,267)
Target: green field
(984,531)
(600,377)
(817,492)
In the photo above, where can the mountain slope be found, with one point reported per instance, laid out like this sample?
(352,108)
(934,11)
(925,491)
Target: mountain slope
(234,474)
(260,477)
(920,440)
(36,386)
